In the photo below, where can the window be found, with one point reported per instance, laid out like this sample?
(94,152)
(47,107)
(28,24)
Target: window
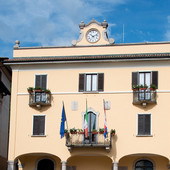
(142,78)
(91,82)
(41,81)
(144,124)
(38,125)
(144,165)
(91,138)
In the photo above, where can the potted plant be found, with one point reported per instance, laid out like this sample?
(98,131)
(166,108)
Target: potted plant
(143,87)
(37,89)
(112,132)
(30,89)
(65,132)
(101,130)
(94,131)
(153,87)
(80,131)
(47,91)
(73,131)
(135,87)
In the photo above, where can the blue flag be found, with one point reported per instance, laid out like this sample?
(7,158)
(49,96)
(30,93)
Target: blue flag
(63,119)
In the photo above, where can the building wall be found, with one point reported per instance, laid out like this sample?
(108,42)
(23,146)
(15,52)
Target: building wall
(93,50)
(4,123)
(63,83)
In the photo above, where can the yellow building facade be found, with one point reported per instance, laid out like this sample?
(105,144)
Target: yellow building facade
(92,74)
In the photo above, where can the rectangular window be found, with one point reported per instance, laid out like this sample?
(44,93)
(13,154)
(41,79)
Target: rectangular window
(91,82)
(146,77)
(41,81)
(38,125)
(144,124)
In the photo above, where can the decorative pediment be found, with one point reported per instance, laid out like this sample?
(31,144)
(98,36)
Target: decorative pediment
(93,33)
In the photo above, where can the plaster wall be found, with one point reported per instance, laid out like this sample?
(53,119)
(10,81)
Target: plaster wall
(63,83)
(92,50)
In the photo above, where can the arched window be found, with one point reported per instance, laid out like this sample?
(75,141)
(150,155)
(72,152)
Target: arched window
(91,125)
(144,165)
(45,164)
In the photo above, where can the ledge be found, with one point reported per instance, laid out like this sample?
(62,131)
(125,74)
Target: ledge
(144,135)
(38,135)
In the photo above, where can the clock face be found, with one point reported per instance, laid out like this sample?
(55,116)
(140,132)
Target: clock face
(93,36)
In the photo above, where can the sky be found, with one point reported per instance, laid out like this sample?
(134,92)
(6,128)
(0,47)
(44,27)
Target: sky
(55,22)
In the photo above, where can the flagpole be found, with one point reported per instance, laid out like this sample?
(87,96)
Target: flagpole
(66,118)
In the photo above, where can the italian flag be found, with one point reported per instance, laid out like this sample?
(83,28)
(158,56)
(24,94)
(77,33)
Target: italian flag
(86,122)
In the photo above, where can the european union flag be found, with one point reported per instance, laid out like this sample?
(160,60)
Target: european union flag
(63,119)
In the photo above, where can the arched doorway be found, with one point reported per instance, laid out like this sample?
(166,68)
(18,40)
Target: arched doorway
(144,165)
(45,164)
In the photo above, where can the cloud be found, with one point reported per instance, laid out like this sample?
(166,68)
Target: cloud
(52,22)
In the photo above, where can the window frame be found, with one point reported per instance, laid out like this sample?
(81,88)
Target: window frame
(153,77)
(83,82)
(44,125)
(42,74)
(138,125)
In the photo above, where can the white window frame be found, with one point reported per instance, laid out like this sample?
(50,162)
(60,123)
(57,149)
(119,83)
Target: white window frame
(150,124)
(86,74)
(33,125)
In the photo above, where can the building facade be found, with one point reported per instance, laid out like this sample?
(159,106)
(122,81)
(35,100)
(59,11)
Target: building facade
(101,80)
(5,84)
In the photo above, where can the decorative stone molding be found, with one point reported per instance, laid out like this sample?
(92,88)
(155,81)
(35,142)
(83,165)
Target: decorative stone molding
(17,42)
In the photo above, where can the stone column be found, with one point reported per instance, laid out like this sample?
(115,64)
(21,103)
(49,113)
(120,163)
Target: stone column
(63,165)
(11,165)
(115,165)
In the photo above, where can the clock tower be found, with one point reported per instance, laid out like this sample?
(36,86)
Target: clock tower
(93,33)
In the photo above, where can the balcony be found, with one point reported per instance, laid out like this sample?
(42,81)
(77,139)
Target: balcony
(144,97)
(96,140)
(39,99)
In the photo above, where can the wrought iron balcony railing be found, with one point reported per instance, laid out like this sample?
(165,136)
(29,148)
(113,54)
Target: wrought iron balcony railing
(39,98)
(96,140)
(144,96)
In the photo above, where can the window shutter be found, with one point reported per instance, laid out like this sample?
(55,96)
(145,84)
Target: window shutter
(42,125)
(134,78)
(155,78)
(81,82)
(141,119)
(101,82)
(39,125)
(37,81)
(44,81)
(35,126)
(147,125)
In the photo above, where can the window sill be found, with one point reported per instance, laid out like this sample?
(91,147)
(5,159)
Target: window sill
(38,135)
(91,92)
(144,135)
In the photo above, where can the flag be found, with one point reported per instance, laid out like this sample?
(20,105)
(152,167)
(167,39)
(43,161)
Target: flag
(105,121)
(86,122)
(63,119)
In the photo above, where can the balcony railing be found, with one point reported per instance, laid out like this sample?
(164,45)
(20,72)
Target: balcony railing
(39,99)
(92,141)
(144,96)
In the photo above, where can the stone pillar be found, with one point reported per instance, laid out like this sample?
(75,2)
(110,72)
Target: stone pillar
(115,165)
(11,165)
(63,165)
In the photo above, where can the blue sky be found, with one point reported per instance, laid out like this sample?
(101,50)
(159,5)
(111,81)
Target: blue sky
(55,22)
